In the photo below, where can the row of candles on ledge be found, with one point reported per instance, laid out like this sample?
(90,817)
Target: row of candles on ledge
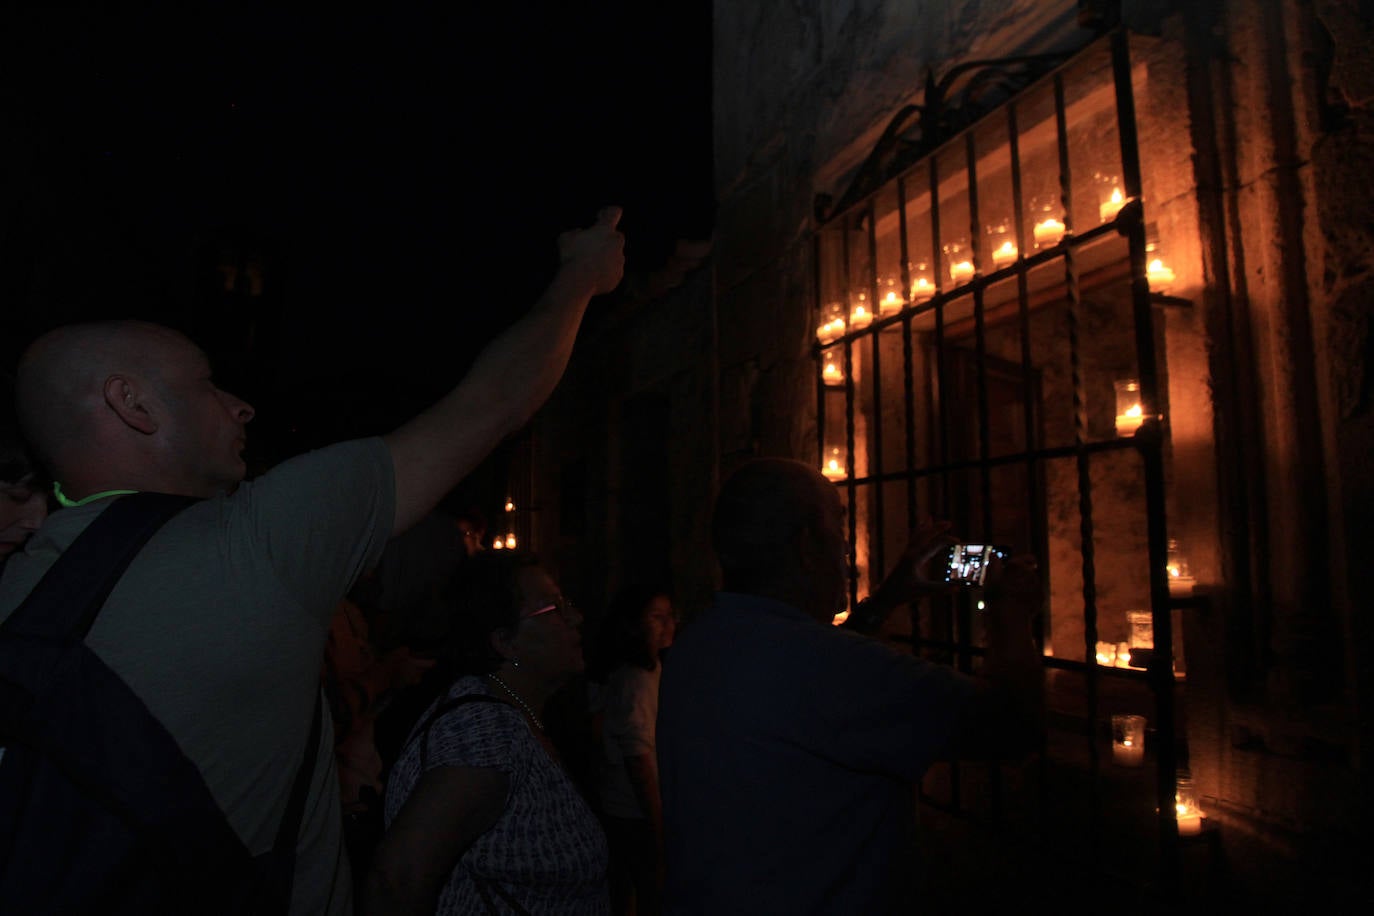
(1130,414)
(1048,232)
(1128,750)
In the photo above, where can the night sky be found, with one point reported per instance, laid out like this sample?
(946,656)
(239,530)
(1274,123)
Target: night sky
(402,170)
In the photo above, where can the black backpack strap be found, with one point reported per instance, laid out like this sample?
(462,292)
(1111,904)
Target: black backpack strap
(67,599)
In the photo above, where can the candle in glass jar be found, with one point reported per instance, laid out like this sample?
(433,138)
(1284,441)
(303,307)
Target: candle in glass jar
(1048,233)
(921,289)
(834,466)
(1129,411)
(961,271)
(1004,254)
(1108,209)
(832,373)
(1159,274)
(1128,740)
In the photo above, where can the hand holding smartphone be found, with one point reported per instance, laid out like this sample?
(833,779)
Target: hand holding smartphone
(967,564)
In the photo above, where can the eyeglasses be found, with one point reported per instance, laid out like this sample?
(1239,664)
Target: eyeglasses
(563,606)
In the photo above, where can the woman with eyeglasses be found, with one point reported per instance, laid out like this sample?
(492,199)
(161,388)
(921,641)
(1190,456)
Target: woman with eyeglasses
(481,816)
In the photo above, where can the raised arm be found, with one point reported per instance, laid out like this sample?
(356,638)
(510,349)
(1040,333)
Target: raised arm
(511,378)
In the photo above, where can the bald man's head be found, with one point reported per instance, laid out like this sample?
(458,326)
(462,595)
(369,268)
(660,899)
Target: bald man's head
(778,529)
(60,379)
(135,396)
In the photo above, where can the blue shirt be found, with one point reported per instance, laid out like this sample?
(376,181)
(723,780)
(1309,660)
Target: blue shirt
(787,750)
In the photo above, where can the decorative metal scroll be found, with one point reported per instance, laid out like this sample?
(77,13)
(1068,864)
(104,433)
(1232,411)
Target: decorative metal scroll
(916,130)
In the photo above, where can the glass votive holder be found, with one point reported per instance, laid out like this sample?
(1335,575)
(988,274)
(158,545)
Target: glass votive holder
(1110,197)
(890,299)
(1128,740)
(959,262)
(922,284)
(1048,223)
(1129,412)
(1001,245)
(1188,813)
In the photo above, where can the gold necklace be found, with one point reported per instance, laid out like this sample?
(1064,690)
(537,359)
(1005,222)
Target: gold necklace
(519,699)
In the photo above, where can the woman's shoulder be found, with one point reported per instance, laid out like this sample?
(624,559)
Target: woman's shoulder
(473,696)
(471,727)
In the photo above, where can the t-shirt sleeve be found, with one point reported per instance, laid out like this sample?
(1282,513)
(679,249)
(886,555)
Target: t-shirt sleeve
(631,711)
(322,518)
(479,734)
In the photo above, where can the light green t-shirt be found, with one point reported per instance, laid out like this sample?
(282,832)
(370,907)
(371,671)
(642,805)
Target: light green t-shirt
(219,626)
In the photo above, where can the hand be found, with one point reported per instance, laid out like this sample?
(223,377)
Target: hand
(908,579)
(1014,580)
(598,251)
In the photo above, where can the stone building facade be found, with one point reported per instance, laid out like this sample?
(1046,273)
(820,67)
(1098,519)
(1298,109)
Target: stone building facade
(1253,121)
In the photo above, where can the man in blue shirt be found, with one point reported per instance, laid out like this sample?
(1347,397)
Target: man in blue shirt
(787,746)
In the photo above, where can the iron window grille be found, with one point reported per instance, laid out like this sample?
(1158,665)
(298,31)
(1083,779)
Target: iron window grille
(993,316)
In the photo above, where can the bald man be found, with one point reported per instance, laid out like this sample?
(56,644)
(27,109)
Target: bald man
(788,747)
(219,624)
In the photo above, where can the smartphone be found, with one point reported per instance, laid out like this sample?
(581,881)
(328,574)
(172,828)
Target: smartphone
(967,564)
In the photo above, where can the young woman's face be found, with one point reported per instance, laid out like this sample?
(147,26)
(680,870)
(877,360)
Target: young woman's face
(660,623)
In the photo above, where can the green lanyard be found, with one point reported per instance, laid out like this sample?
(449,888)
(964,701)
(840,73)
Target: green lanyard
(64,500)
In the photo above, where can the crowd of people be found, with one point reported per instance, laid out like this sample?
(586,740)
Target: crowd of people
(756,759)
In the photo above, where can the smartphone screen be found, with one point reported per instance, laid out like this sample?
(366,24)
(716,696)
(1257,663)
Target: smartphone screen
(967,564)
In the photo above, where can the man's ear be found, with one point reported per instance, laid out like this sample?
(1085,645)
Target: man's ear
(122,396)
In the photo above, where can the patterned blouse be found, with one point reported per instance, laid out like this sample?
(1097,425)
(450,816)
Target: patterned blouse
(546,852)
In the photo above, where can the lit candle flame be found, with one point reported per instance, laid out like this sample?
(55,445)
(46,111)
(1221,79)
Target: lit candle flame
(834,468)
(1048,232)
(961,271)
